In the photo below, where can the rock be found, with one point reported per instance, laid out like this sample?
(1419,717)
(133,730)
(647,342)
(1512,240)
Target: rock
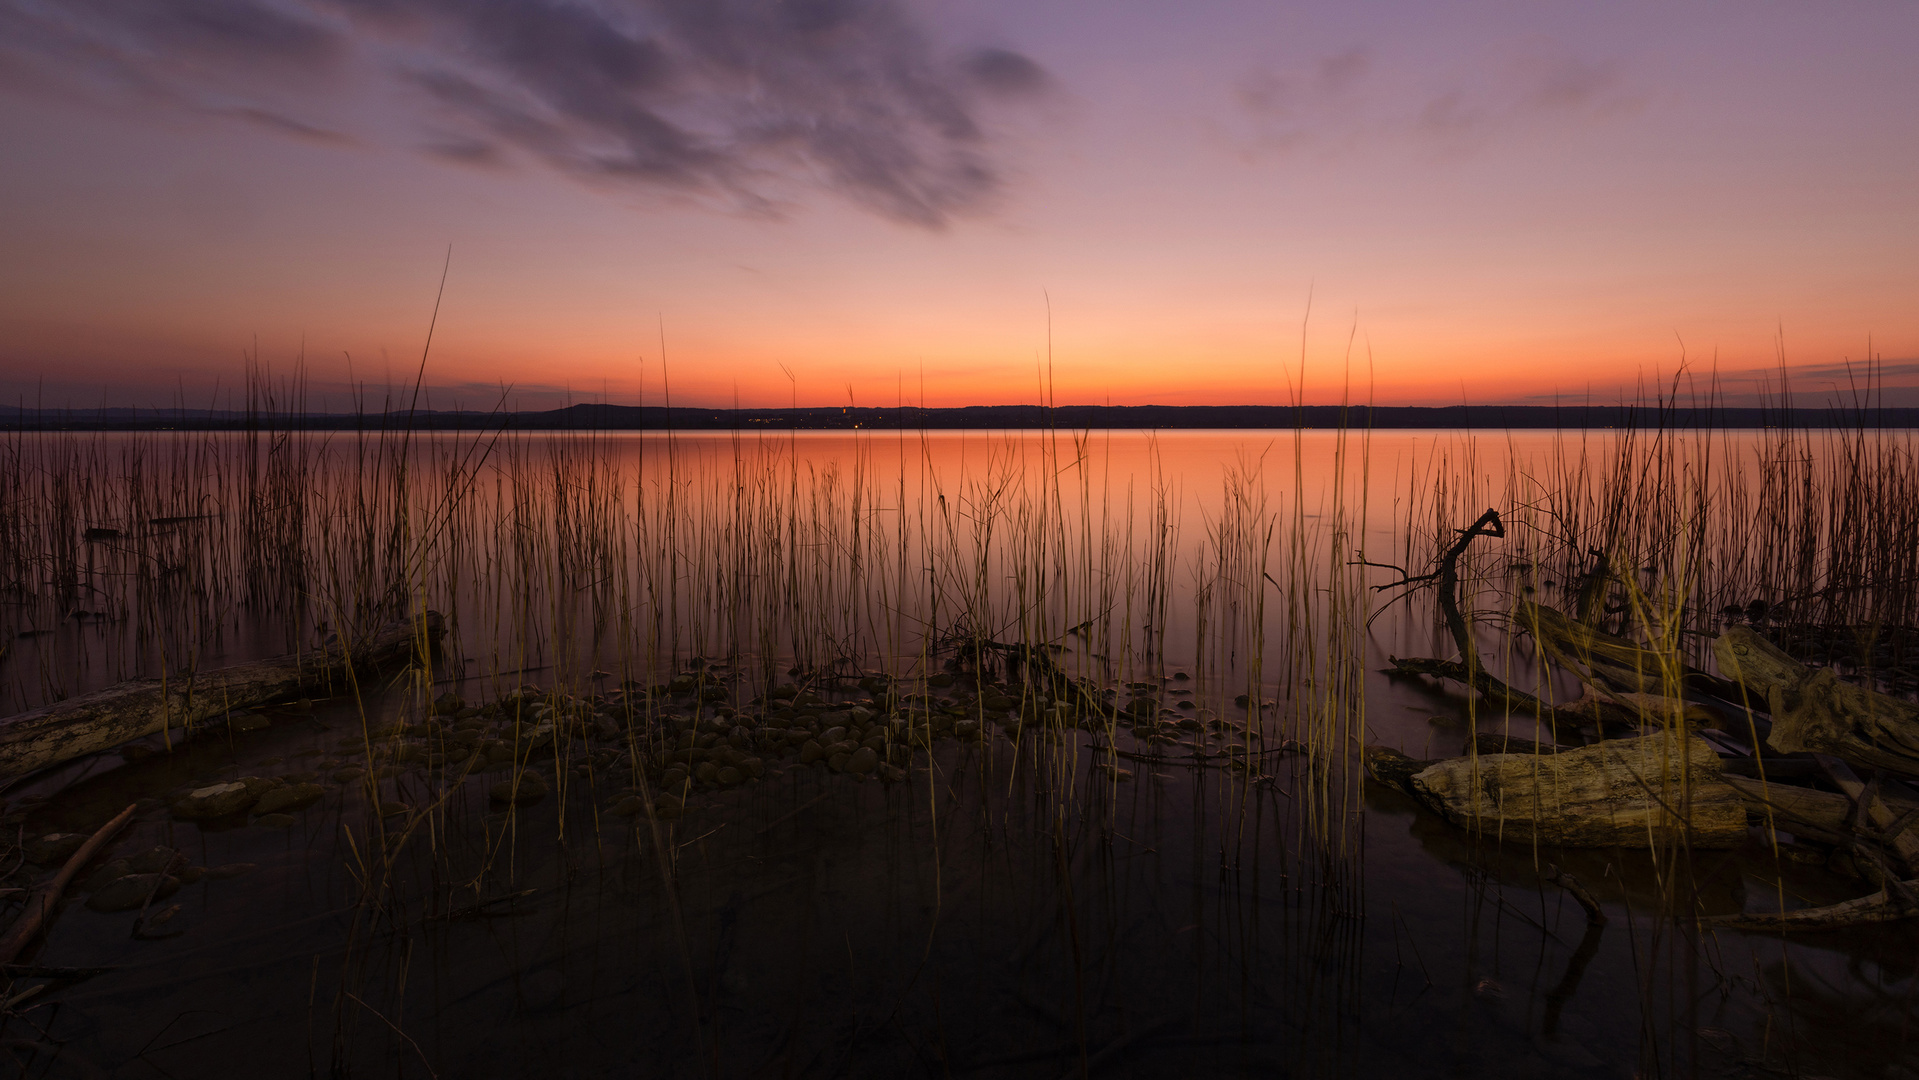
(132,891)
(395,809)
(892,774)
(966,729)
(53,849)
(628,807)
(275,821)
(292,797)
(706,771)
(811,752)
(249,722)
(448,704)
(838,761)
(729,777)
(190,874)
(939,680)
(108,873)
(863,761)
(348,774)
(155,860)
(213,801)
(674,780)
(752,767)
(528,790)
(230,870)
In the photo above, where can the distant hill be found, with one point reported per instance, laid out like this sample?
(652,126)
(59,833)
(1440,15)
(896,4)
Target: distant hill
(1065,417)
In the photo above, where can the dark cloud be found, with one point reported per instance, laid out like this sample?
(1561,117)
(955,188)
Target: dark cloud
(286,125)
(747,101)
(1006,72)
(227,30)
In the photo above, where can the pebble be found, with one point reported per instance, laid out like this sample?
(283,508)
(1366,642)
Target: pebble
(629,806)
(838,761)
(811,752)
(706,772)
(132,891)
(729,776)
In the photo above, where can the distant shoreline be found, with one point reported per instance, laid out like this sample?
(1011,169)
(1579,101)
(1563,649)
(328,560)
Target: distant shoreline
(979,417)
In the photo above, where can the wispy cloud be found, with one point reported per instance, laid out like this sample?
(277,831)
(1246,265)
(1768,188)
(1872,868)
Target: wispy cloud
(748,102)
(1356,96)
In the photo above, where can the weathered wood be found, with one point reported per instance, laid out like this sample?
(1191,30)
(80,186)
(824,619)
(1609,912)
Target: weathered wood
(1813,710)
(1661,788)
(1650,683)
(1389,766)
(1882,815)
(1886,905)
(125,711)
(40,904)
(1487,742)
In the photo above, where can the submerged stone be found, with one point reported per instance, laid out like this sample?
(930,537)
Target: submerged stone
(292,797)
(215,800)
(132,891)
(54,848)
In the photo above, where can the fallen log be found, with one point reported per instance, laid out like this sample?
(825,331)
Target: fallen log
(102,720)
(1663,788)
(1887,905)
(1814,711)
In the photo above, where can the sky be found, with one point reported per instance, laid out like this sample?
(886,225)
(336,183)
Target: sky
(827,202)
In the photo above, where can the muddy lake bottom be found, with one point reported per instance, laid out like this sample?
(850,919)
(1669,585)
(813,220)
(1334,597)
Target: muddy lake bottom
(1179,923)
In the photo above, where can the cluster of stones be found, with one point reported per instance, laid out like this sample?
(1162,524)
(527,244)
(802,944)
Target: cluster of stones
(687,737)
(127,882)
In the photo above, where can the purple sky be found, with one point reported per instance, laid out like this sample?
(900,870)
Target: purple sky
(833,201)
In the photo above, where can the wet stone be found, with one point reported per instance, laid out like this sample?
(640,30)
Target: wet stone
(155,860)
(53,849)
(348,774)
(839,761)
(706,772)
(291,797)
(132,891)
(729,777)
(529,790)
(628,807)
(276,821)
(214,800)
(108,873)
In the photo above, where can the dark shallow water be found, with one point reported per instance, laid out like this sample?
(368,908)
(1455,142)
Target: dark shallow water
(1180,923)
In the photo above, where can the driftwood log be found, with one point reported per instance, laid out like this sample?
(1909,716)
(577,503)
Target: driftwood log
(1814,711)
(102,720)
(1663,788)
(1649,684)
